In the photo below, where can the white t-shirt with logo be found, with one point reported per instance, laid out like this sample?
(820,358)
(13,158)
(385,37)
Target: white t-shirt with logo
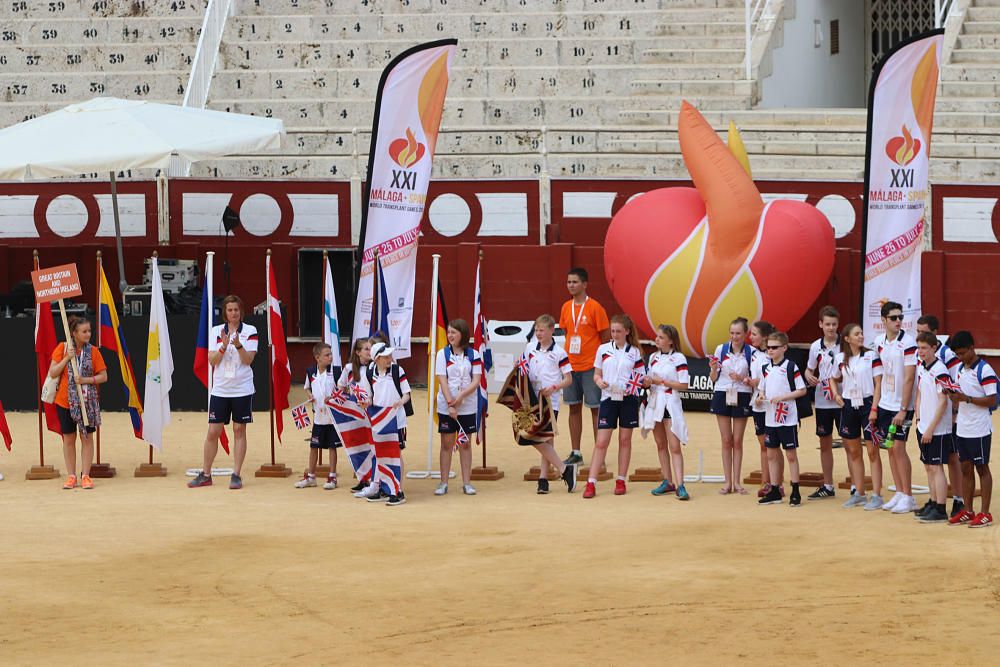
(321,385)
(821,364)
(734,362)
(547,367)
(896,355)
(384,393)
(974,421)
(776,384)
(758,360)
(857,376)
(232,378)
(929,394)
(618,365)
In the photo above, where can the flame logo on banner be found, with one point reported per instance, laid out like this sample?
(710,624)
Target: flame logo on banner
(902,150)
(700,257)
(406,152)
(430,99)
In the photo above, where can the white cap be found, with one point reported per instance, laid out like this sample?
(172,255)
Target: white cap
(381,350)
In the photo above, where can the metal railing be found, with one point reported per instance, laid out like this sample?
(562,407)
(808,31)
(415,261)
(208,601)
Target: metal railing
(942,8)
(753,11)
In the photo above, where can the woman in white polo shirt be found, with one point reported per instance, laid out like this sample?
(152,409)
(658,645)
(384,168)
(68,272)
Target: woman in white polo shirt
(234,345)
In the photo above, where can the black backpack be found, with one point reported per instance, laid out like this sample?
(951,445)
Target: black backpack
(394,371)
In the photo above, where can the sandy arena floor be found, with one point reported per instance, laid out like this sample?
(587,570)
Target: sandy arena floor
(146,571)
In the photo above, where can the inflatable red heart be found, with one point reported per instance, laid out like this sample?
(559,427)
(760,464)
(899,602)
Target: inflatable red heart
(700,257)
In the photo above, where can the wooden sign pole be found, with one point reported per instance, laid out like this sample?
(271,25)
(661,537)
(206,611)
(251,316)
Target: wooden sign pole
(100,470)
(40,471)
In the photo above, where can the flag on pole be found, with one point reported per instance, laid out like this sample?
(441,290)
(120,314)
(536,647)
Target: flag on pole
(159,367)
(112,339)
(439,333)
(45,343)
(379,322)
(202,369)
(281,372)
(481,342)
(331,330)
(4,429)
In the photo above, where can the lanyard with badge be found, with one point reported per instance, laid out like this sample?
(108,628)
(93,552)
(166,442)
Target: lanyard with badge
(735,365)
(575,341)
(852,389)
(889,369)
(616,388)
(230,362)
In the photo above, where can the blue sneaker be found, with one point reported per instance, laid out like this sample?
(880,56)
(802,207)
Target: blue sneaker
(664,488)
(682,493)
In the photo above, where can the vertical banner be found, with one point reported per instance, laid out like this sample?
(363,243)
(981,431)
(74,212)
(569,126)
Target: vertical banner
(408,109)
(897,161)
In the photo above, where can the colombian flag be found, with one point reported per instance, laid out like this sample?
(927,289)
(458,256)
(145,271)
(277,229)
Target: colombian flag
(112,339)
(439,333)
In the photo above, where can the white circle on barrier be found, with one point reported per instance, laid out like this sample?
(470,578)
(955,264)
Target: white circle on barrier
(260,215)
(839,212)
(66,215)
(449,215)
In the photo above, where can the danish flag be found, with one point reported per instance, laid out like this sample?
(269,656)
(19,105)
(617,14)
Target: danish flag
(781,412)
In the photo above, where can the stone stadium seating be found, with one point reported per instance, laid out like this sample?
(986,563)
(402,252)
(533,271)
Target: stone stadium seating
(604,78)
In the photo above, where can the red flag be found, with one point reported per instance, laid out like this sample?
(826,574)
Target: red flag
(281,372)
(4,429)
(45,343)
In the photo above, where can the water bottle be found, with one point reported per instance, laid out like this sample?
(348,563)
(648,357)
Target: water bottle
(890,436)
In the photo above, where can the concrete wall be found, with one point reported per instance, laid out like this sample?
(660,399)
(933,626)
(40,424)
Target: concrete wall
(806,75)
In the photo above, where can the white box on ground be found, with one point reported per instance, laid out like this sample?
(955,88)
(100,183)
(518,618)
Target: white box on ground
(507,341)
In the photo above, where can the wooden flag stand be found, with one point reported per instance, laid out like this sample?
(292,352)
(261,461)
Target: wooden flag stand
(584,474)
(151,469)
(40,471)
(272,469)
(322,470)
(535,471)
(646,475)
(814,479)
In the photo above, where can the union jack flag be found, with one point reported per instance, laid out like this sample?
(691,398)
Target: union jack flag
(462,438)
(634,385)
(824,386)
(947,384)
(481,342)
(781,412)
(385,437)
(300,415)
(355,432)
(522,365)
(359,393)
(338,395)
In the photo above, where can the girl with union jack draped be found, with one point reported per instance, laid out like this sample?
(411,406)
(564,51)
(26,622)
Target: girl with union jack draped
(618,371)
(664,413)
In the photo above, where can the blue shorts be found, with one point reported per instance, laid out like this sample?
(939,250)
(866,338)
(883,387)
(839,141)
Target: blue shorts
(934,453)
(827,419)
(448,425)
(324,436)
(976,450)
(582,390)
(786,437)
(223,408)
(885,418)
(619,414)
(739,411)
(854,422)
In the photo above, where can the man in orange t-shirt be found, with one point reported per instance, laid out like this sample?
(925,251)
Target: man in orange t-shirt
(586,325)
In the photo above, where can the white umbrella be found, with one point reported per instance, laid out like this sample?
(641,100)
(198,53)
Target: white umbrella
(110,134)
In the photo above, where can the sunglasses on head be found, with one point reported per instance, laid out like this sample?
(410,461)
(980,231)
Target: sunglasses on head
(894,318)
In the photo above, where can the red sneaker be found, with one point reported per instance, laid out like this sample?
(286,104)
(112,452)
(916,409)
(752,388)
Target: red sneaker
(619,487)
(965,516)
(590,490)
(982,520)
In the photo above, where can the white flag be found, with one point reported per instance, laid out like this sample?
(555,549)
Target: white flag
(159,368)
(331,330)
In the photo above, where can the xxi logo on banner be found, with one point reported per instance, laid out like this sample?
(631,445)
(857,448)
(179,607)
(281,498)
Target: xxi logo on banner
(902,150)
(406,153)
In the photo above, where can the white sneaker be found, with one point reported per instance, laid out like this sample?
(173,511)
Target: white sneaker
(891,505)
(441,489)
(468,489)
(1,476)
(331,482)
(905,506)
(307,480)
(369,491)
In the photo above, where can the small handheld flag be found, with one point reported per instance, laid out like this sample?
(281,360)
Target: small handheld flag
(781,412)
(300,415)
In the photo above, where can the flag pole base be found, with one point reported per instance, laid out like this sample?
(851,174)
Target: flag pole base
(102,471)
(150,470)
(273,470)
(41,472)
(534,471)
(486,473)
(322,471)
(646,475)
(805,479)
(584,474)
